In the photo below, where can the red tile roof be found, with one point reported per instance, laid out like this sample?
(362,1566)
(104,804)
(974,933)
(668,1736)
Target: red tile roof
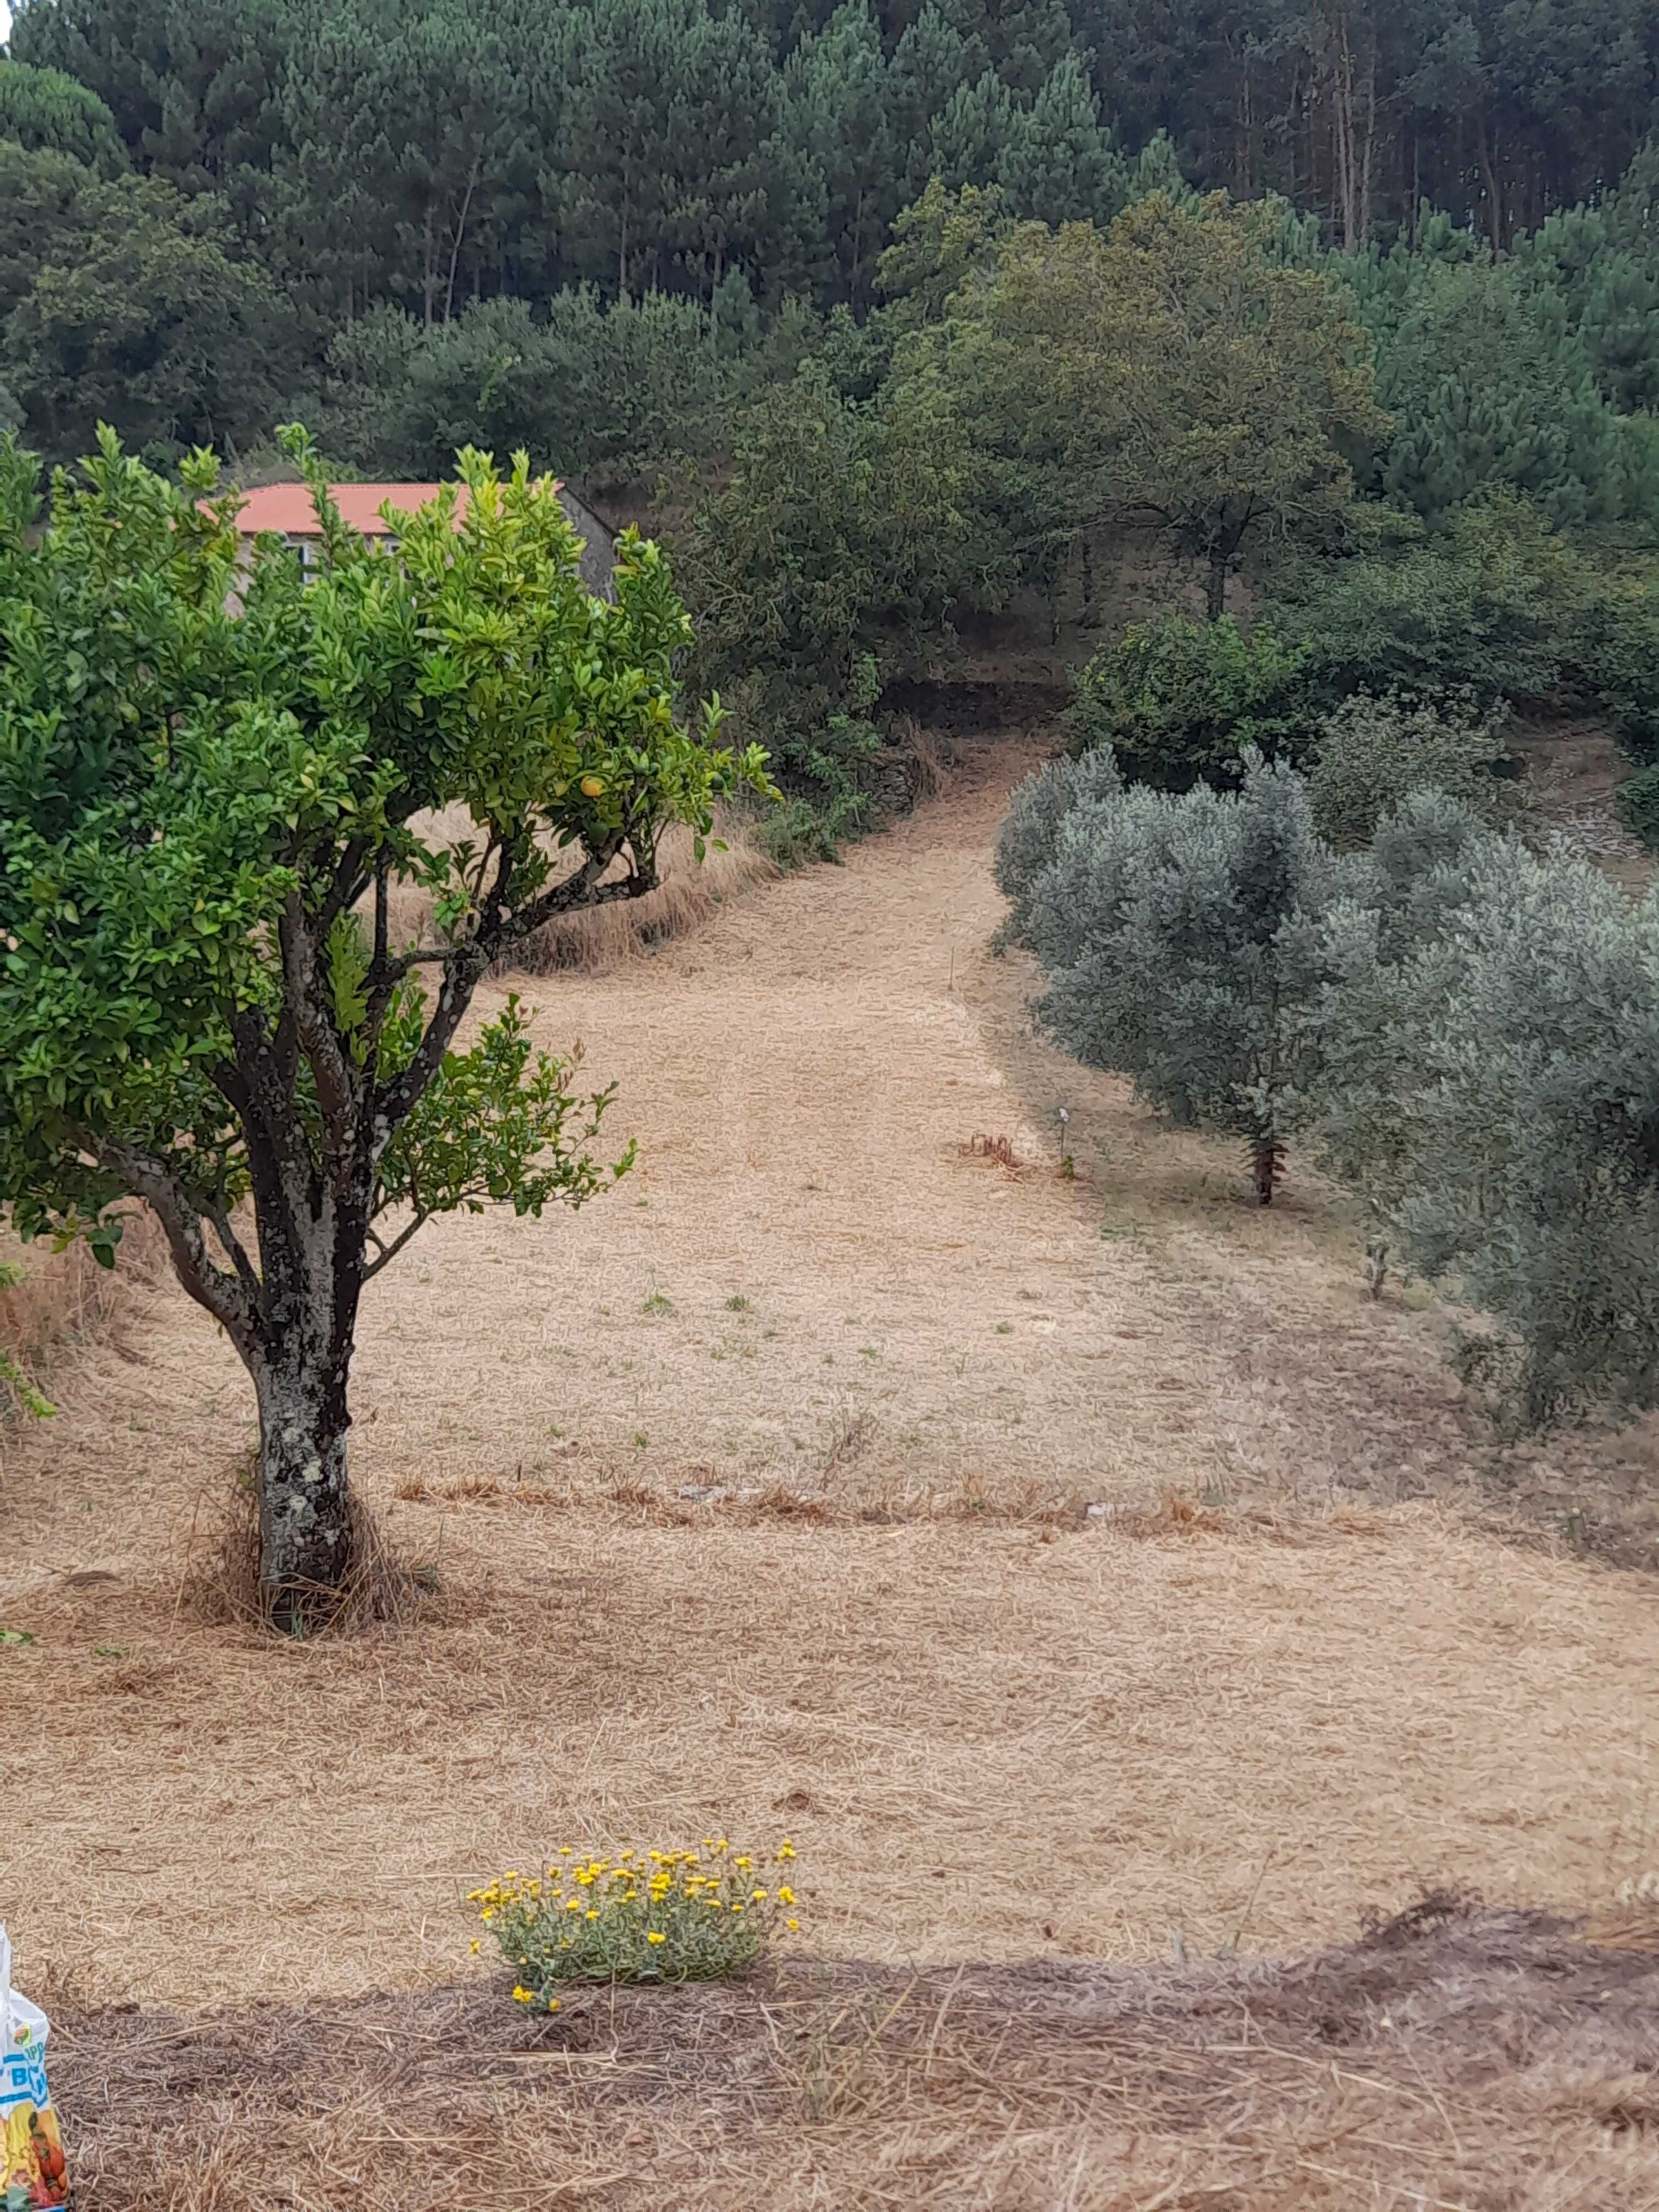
(287,507)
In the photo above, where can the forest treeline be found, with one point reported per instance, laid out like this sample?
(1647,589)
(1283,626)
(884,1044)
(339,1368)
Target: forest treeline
(288,167)
(439,153)
(921,313)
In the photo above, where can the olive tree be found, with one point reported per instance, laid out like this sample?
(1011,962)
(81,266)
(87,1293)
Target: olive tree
(1371,752)
(1175,932)
(213,773)
(1488,1035)
(1028,837)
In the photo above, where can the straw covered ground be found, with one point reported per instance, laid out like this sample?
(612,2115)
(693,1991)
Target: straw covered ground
(757,1496)
(1456,2057)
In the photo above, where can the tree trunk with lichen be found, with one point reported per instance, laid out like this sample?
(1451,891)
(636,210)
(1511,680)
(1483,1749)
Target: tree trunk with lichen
(301,1364)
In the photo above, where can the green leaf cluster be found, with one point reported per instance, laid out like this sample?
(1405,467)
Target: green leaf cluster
(210,761)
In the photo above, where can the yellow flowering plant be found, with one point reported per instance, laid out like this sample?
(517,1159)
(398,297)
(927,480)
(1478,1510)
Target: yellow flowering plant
(681,1916)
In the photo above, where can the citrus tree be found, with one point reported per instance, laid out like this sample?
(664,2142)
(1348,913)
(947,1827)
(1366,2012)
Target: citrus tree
(214,772)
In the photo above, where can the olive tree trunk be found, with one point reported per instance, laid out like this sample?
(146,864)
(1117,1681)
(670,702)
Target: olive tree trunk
(1267,1164)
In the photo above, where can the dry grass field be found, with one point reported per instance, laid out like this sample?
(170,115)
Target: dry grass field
(1328,1645)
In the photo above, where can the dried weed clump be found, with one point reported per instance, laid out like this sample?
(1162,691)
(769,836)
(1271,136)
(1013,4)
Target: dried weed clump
(52,1303)
(218,1577)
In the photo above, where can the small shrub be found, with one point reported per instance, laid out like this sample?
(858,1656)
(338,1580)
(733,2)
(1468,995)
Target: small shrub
(644,1917)
(1374,752)
(797,833)
(1181,702)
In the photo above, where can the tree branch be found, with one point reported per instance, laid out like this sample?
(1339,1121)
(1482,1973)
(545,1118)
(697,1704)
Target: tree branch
(246,1273)
(226,1297)
(389,1252)
(337,1092)
(465,965)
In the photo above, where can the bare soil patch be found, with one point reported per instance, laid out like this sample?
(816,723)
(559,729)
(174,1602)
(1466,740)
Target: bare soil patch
(1454,2056)
(1577,767)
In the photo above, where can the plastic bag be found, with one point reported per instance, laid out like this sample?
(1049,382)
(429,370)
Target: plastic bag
(31,2148)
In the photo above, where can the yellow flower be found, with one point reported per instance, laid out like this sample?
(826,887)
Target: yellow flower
(552,2004)
(794,1926)
(523,1996)
(572,1904)
(653,1937)
(593,1916)
(475,1947)
(786,1895)
(758,1897)
(743,1865)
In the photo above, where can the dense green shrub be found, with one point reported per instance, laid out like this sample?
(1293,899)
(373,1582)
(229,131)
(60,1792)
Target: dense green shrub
(581,385)
(1618,658)
(830,773)
(824,570)
(1373,752)
(1180,700)
(1490,607)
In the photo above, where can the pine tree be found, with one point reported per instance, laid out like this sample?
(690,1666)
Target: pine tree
(719,151)
(626,56)
(972,132)
(1489,384)
(933,60)
(842,104)
(1058,164)
(42,110)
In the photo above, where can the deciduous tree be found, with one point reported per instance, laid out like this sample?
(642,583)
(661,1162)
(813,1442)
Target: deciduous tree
(1171,372)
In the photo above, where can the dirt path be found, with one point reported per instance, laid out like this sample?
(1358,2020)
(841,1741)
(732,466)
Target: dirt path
(989,1740)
